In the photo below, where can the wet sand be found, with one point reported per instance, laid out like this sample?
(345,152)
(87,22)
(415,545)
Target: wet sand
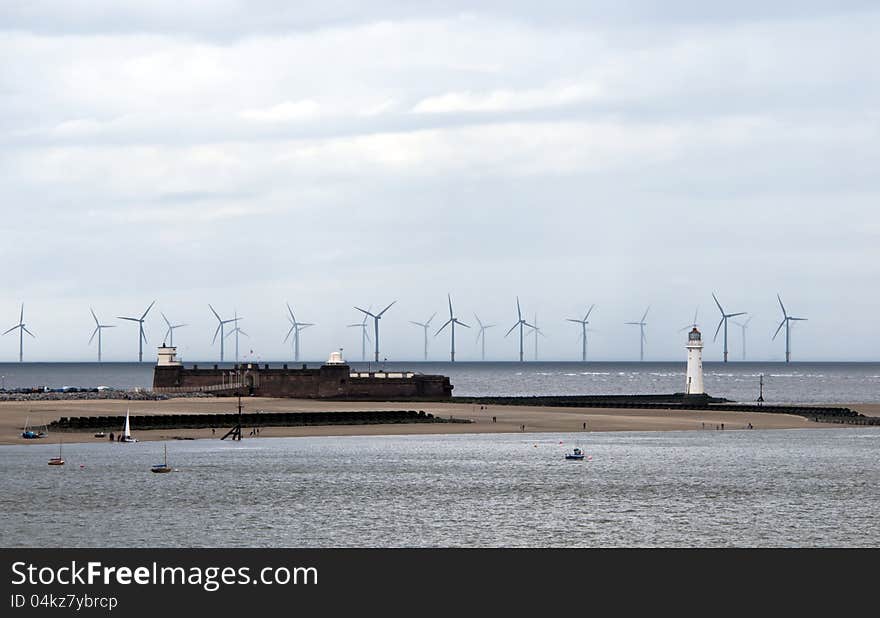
(509,419)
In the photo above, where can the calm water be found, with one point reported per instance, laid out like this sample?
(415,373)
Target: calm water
(794,383)
(733,488)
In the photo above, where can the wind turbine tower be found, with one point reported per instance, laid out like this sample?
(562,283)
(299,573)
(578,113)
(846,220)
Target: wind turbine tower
(583,337)
(295,328)
(537,331)
(376,317)
(482,335)
(22,329)
(424,326)
(365,336)
(142,338)
(98,328)
(723,322)
(642,339)
(786,322)
(453,321)
(221,329)
(236,331)
(744,326)
(521,323)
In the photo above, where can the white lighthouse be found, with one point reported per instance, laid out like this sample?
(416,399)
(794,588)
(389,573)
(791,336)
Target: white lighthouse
(694,346)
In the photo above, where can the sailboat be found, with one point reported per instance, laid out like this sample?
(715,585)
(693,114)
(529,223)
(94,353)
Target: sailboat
(29,433)
(126,431)
(162,467)
(57,461)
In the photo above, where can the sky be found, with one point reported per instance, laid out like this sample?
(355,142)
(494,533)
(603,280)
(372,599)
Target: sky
(336,154)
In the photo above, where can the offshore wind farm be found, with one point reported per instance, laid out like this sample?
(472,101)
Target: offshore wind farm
(471,350)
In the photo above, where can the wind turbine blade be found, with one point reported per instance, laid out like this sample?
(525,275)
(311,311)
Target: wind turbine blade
(518,310)
(717,303)
(418,324)
(21,316)
(575,321)
(781,324)
(784,312)
(243,333)
(293,327)
(144,336)
(511,329)
(305,325)
(232,332)
(587,317)
(95,332)
(445,324)
(11,329)
(646,313)
(179,325)
(367,336)
(167,333)
(119,317)
(94,316)
(462,324)
(365,312)
(290,311)
(165,318)
(478,320)
(216,332)
(431,318)
(733,315)
(217,315)
(385,309)
(529,325)
(148,310)
(449,296)
(718,330)
(799,319)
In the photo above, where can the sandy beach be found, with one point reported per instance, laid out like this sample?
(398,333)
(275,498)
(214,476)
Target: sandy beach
(508,419)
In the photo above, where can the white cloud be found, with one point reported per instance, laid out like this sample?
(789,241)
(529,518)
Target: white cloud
(288,111)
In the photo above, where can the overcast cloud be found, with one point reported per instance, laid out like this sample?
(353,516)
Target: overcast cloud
(332,154)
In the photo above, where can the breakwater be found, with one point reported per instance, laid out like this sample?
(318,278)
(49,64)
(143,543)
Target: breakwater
(249,419)
(678,401)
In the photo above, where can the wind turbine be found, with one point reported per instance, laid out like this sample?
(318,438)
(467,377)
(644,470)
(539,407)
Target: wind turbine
(236,331)
(723,322)
(365,336)
(98,328)
(170,331)
(744,326)
(786,322)
(452,320)
(519,322)
(376,317)
(482,334)
(642,340)
(537,331)
(295,327)
(22,329)
(221,329)
(583,324)
(424,326)
(693,324)
(142,338)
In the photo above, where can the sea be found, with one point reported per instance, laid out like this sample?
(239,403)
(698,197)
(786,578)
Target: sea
(759,488)
(774,488)
(818,383)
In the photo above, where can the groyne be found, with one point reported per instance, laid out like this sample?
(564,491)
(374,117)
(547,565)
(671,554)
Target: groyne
(249,419)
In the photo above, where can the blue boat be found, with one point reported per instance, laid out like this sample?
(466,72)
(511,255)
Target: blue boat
(576,454)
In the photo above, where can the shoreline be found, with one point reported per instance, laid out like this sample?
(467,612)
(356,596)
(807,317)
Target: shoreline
(507,419)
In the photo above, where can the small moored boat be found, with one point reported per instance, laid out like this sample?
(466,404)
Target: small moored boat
(576,454)
(162,467)
(57,461)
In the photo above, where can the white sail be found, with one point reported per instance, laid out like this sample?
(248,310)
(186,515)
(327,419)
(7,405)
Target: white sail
(126,431)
